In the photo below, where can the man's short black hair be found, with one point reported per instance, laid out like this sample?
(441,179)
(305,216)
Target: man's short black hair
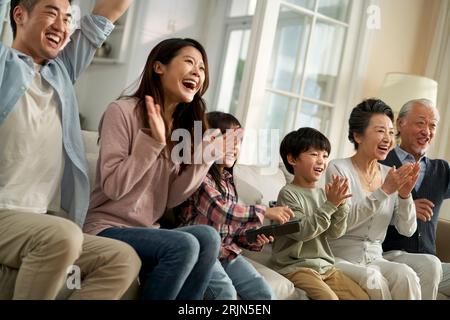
(300,141)
(27,4)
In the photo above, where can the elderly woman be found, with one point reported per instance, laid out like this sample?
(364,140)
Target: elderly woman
(381,195)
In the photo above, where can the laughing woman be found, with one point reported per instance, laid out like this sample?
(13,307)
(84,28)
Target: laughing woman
(137,180)
(381,195)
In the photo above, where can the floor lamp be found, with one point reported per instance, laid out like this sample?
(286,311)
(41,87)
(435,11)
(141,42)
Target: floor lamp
(399,88)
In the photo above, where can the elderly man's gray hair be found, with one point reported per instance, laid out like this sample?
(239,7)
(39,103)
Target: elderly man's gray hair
(408,106)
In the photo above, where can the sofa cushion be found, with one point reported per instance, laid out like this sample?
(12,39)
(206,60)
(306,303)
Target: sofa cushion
(443,240)
(253,182)
(282,287)
(91,147)
(247,193)
(90,139)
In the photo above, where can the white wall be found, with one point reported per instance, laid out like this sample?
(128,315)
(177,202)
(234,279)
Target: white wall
(403,45)
(154,21)
(403,42)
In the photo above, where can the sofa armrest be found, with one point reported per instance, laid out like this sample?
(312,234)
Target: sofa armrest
(443,240)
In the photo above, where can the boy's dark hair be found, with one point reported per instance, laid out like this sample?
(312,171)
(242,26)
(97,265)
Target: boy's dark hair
(301,141)
(222,121)
(28,5)
(360,117)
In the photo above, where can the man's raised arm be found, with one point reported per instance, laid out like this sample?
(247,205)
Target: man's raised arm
(111,9)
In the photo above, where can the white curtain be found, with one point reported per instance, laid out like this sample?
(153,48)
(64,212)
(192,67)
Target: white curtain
(5,29)
(438,68)
(2,19)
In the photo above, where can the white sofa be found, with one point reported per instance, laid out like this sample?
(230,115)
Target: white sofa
(259,186)
(253,187)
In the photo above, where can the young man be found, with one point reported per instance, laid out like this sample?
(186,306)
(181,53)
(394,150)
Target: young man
(417,124)
(42,164)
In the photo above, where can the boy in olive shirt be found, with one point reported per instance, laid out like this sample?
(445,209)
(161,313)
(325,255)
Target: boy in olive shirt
(305,257)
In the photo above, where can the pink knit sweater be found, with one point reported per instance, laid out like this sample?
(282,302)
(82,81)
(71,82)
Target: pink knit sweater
(136,180)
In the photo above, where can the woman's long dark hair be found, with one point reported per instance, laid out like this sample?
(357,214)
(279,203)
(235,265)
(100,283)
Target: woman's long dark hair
(150,84)
(222,121)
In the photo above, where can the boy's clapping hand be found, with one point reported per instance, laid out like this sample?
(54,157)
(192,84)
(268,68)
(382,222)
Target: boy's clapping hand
(337,190)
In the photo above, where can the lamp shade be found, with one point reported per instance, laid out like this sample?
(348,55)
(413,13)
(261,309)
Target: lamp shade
(399,88)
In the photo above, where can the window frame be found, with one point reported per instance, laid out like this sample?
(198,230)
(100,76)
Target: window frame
(352,69)
(231,24)
(349,84)
(301,77)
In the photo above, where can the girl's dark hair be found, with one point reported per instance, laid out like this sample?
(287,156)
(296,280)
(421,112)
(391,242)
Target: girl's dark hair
(222,121)
(361,115)
(301,141)
(28,5)
(150,85)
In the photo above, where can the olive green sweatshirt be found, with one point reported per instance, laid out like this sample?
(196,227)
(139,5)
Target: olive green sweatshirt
(320,219)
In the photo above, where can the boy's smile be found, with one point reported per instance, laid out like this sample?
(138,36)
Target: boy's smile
(309,167)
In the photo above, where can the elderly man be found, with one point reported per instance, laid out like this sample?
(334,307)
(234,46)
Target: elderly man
(42,163)
(416,125)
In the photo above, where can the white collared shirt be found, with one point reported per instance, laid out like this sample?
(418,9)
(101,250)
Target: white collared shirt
(406,157)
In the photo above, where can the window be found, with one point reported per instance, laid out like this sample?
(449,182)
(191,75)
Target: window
(4,19)
(289,64)
(305,64)
(241,8)
(238,29)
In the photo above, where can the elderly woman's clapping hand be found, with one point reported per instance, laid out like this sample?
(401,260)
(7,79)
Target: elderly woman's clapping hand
(410,181)
(401,180)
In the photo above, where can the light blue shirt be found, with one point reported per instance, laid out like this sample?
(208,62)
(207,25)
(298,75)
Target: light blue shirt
(406,157)
(17,73)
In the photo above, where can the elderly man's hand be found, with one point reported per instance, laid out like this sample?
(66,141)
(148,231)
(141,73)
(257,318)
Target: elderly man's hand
(424,209)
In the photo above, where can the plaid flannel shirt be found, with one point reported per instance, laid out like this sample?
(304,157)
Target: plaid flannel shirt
(223,212)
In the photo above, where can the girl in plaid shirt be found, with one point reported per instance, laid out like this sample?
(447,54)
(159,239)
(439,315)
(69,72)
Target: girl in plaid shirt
(215,203)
